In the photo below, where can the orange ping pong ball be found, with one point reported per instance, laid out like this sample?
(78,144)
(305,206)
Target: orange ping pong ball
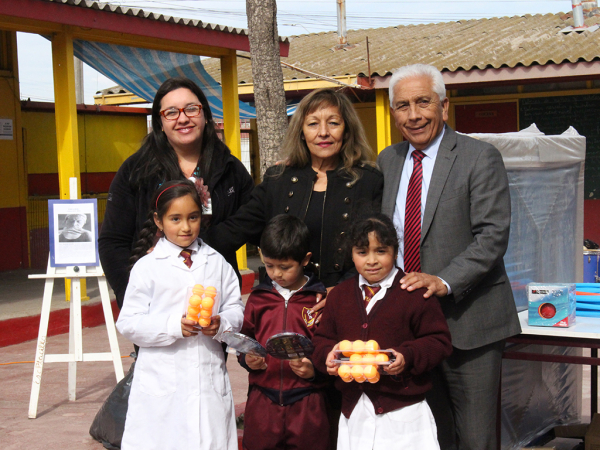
(370,371)
(375,379)
(371,346)
(210,291)
(195,300)
(205,313)
(207,303)
(203,322)
(382,357)
(358,346)
(356,358)
(193,310)
(198,289)
(345,373)
(368,358)
(346,347)
(190,317)
(357,373)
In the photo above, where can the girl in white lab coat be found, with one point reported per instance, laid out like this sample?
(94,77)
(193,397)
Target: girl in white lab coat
(180,396)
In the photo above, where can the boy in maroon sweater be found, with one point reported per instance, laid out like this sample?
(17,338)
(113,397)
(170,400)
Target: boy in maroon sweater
(391,413)
(286,404)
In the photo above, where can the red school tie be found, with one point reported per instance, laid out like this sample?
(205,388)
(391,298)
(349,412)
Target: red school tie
(370,292)
(412,218)
(187,257)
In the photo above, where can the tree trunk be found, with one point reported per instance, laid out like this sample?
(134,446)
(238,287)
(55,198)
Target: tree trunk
(269,95)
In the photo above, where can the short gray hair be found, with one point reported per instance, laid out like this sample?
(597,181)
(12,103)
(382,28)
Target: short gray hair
(418,70)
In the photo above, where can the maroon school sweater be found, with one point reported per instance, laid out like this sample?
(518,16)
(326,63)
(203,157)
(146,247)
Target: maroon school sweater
(402,320)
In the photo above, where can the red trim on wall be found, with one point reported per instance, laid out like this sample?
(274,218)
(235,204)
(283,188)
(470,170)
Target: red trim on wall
(23,329)
(591,220)
(29,106)
(96,182)
(487,118)
(42,184)
(47,183)
(13,223)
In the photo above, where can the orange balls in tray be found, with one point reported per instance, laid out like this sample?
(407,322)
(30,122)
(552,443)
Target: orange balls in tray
(359,361)
(201,303)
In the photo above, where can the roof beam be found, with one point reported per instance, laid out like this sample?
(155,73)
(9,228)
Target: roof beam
(510,75)
(42,17)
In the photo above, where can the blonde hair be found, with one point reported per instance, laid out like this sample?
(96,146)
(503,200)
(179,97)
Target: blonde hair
(355,149)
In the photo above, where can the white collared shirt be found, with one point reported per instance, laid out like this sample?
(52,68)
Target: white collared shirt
(428,163)
(385,284)
(175,250)
(400,210)
(285,292)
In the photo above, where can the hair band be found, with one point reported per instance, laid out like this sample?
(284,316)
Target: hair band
(166,189)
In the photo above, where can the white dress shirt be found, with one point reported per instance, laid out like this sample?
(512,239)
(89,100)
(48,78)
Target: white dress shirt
(428,163)
(287,293)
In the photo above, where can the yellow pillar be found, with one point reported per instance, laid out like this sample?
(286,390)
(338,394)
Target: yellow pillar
(65,106)
(231,121)
(382,114)
(66,112)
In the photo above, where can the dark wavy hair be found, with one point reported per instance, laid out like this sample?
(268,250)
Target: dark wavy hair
(158,159)
(380,224)
(161,200)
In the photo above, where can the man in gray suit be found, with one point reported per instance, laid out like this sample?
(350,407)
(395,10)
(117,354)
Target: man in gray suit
(465,217)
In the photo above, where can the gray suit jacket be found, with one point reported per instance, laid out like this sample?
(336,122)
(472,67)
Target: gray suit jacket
(464,235)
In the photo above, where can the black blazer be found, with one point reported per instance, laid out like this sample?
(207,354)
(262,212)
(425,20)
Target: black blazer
(289,193)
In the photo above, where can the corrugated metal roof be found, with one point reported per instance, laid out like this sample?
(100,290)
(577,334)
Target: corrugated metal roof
(451,46)
(136,12)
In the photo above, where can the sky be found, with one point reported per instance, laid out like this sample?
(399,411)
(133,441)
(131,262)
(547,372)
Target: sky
(294,17)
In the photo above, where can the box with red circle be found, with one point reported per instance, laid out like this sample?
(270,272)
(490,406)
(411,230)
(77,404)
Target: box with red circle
(551,304)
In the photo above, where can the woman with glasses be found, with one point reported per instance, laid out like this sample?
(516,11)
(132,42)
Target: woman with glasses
(183,143)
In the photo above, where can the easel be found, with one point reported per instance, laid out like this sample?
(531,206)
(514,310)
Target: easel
(75,273)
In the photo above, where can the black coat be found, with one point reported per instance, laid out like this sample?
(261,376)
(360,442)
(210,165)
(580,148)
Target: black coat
(128,207)
(289,193)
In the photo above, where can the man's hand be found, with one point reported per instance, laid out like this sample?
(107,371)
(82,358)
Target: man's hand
(256,362)
(397,366)
(416,280)
(303,368)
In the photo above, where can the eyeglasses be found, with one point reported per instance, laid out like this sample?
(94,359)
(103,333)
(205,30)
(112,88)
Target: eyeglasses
(173,113)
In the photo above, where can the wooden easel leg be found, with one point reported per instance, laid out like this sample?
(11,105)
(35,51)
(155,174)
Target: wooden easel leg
(75,336)
(110,329)
(41,347)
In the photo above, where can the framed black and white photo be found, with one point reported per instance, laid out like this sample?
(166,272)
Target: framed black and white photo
(73,226)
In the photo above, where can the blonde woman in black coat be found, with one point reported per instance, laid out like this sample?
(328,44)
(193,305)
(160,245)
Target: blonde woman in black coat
(327,178)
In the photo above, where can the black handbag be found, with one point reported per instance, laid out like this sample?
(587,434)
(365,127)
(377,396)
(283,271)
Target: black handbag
(109,423)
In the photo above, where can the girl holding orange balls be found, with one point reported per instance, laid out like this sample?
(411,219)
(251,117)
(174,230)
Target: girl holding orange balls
(180,393)
(383,402)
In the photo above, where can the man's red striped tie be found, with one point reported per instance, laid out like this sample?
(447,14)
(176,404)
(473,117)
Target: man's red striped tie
(412,218)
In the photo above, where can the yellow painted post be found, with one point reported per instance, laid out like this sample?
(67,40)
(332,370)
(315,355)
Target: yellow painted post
(382,114)
(231,121)
(67,139)
(66,112)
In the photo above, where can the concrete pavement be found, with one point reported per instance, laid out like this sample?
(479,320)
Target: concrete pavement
(60,423)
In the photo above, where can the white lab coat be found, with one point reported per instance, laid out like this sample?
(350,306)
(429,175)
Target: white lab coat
(180,396)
